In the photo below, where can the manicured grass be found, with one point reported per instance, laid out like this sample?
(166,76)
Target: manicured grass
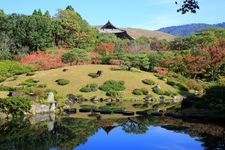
(3,94)
(78,77)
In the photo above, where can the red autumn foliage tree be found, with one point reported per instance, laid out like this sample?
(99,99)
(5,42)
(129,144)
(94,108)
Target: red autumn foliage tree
(214,56)
(43,60)
(173,64)
(159,45)
(105,48)
(195,65)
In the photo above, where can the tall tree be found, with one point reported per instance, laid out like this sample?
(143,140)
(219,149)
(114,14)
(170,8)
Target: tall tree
(75,31)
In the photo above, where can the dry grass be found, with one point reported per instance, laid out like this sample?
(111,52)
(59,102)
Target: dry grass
(78,76)
(3,94)
(136,33)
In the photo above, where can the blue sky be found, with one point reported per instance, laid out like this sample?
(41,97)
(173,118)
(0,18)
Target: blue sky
(148,14)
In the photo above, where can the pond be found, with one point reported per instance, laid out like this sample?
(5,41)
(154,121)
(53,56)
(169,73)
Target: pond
(137,133)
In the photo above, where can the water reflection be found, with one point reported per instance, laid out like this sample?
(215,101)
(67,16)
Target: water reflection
(132,133)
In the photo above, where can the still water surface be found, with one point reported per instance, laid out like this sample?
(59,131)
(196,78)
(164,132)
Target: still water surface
(141,133)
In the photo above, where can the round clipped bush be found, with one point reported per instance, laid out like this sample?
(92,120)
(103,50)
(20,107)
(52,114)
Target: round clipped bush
(85,89)
(62,82)
(29,83)
(169,93)
(148,81)
(112,85)
(90,88)
(42,86)
(93,85)
(141,91)
(158,90)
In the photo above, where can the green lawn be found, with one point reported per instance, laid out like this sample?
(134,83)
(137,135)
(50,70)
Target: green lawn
(78,77)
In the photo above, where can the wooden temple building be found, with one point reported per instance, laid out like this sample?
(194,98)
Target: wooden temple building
(109,28)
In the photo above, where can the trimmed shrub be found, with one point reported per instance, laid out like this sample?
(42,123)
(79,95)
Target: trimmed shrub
(148,81)
(10,68)
(42,86)
(112,85)
(29,83)
(15,105)
(169,93)
(89,88)
(141,91)
(158,90)
(193,84)
(85,89)
(170,82)
(113,94)
(177,85)
(62,82)
(6,88)
(93,85)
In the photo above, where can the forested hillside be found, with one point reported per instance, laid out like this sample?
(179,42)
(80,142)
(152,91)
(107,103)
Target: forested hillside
(186,30)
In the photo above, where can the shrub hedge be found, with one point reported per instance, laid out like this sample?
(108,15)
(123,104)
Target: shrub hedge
(148,81)
(62,82)
(141,91)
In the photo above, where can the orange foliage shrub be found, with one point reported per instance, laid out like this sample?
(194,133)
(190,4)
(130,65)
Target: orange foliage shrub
(161,70)
(43,60)
(95,58)
(114,62)
(105,48)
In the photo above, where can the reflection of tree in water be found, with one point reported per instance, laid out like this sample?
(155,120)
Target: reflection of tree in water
(213,142)
(67,133)
(132,126)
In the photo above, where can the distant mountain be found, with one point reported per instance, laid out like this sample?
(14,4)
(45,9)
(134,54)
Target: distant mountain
(136,33)
(186,30)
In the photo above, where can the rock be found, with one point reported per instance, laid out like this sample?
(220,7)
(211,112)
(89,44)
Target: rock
(105,111)
(51,97)
(16,93)
(52,107)
(42,117)
(99,72)
(70,110)
(118,111)
(71,98)
(119,100)
(50,125)
(128,113)
(101,100)
(41,108)
(84,110)
(94,99)
(2,116)
(144,112)
(133,100)
(64,70)
(162,99)
(156,113)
